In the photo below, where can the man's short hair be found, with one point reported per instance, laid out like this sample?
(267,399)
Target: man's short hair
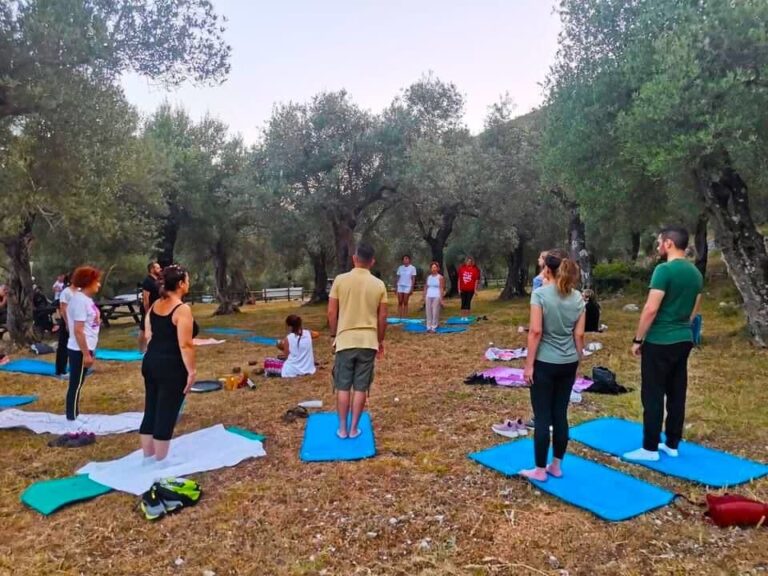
(364,253)
(678,235)
(151,265)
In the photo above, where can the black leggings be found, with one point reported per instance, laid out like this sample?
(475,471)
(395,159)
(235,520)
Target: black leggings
(466,300)
(164,383)
(550,394)
(77,373)
(61,349)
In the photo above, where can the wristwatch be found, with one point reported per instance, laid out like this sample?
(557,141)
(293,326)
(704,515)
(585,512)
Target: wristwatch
(637,340)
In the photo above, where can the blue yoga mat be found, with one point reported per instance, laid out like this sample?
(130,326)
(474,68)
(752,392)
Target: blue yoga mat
(459,321)
(262,340)
(322,445)
(109,355)
(696,463)
(440,330)
(11,401)
(30,366)
(227,331)
(607,493)
(405,320)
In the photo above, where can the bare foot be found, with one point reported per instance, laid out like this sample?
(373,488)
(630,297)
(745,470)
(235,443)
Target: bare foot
(354,434)
(343,435)
(555,470)
(539,474)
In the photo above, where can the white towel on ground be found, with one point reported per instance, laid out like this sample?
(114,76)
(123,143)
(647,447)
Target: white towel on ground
(199,451)
(47,423)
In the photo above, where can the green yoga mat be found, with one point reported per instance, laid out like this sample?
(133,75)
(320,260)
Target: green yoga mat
(47,496)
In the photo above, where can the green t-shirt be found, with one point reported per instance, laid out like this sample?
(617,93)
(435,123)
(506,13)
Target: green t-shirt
(560,315)
(681,283)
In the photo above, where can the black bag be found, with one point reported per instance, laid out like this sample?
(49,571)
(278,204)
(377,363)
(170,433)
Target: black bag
(604,382)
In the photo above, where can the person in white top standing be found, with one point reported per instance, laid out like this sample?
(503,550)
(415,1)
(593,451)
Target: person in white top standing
(406,279)
(434,288)
(298,346)
(58,286)
(61,349)
(83,322)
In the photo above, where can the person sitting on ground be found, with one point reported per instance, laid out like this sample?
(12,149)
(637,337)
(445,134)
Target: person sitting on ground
(555,344)
(357,317)
(434,289)
(169,365)
(406,280)
(592,312)
(469,278)
(297,348)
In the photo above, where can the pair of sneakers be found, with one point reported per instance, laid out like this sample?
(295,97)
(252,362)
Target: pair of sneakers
(169,495)
(643,455)
(511,428)
(73,440)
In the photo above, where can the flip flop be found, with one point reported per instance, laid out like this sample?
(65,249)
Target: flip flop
(353,436)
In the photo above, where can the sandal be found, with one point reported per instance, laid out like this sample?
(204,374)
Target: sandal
(293,413)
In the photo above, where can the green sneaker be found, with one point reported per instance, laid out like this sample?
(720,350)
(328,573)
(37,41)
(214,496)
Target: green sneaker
(151,505)
(176,493)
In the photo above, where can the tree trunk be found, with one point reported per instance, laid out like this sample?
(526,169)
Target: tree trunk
(319,263)
(20,308)
(344,237)
(744,251)
(700,243)
(578,245)
(453,279)
(223,293)
(515,283)
(239,287)
(169,232)
(634,247)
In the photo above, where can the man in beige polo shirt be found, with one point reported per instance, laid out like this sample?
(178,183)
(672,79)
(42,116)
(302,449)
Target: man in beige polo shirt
(357,316)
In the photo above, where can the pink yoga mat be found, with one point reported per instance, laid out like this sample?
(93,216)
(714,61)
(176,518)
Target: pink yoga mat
(513,377)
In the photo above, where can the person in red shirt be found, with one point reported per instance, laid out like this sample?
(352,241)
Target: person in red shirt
(469,276)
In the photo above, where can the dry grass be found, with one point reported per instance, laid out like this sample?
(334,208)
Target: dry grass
(420,506)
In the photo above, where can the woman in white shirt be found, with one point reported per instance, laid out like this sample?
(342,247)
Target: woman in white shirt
(406,278)
(434,288)
(298,346)
(83,323)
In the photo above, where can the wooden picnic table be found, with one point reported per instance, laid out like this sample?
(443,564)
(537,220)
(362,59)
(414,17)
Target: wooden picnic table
(119,308)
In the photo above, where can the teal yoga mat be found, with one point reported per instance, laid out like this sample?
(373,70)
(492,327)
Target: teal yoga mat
(605,492)
(461,320)
(695,463)
(47,496)
(11,401)
(30,366)
(321,444)
(109,355)
(415,329)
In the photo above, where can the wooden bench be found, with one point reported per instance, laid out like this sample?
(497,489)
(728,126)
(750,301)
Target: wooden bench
(292,293)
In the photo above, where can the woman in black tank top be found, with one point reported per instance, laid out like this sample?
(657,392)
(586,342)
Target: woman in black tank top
(169,364)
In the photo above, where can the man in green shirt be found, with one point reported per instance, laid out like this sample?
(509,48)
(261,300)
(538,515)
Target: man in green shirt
(664,340)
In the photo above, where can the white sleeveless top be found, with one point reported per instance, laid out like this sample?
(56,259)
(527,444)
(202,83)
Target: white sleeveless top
(301,357)
(433,286)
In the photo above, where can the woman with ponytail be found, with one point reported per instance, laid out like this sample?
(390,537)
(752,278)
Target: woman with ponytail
(298,346)
(169,364)
(555,342)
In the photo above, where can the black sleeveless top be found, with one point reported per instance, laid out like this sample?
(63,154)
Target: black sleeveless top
(165,338)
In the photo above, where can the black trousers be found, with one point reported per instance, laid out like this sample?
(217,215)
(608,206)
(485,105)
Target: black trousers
(466,300)
(164,382)
(76,380)
(664,374)
(550,395)
(61,349)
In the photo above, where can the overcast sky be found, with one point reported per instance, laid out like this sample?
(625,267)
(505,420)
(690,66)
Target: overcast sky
(289,50)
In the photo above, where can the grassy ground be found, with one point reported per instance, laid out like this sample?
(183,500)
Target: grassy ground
(420,506)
